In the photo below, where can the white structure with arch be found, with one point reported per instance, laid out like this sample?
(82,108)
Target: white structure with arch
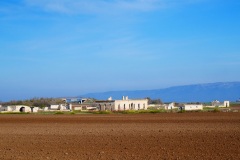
(18,108)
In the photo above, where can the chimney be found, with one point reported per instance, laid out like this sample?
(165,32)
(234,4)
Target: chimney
(123,98)
(126,98)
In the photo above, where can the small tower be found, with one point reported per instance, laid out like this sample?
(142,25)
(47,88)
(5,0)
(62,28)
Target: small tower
(226,104)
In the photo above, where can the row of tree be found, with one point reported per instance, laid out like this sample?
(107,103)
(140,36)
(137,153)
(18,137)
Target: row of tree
(36,102)
(154,101)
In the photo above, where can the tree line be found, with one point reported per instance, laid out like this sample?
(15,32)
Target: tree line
(154,101)
(36,102)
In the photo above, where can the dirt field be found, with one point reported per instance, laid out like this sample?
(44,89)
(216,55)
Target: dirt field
(141,136)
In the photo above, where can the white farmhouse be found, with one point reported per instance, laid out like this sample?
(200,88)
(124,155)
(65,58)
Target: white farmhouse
(124,104)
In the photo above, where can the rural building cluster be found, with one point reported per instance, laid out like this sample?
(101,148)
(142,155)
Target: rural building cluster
(124,104)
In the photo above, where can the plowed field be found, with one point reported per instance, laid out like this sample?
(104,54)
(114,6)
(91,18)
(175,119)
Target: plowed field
(141,136)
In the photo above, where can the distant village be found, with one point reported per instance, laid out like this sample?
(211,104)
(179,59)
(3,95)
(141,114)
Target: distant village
(112,105)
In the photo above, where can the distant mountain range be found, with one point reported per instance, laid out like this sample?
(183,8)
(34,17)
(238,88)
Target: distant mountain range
(188,93)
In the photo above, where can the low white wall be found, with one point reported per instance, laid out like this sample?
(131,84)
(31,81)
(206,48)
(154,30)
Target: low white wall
(35,109)
(78,108)
(54,107)
(189,107)
(6,108)
(209,106)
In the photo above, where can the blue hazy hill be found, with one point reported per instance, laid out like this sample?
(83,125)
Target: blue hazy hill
(188,93)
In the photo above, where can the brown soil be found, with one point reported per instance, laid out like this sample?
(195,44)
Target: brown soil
(141,136)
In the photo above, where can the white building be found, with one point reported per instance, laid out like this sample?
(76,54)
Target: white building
(124,104)
(131,104)
(217,103)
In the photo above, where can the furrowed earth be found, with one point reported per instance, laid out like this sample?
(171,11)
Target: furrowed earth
(120,136)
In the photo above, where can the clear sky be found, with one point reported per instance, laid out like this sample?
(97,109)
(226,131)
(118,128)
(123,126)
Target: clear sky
(52,48)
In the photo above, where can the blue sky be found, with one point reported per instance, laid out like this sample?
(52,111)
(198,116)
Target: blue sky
(54,48)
